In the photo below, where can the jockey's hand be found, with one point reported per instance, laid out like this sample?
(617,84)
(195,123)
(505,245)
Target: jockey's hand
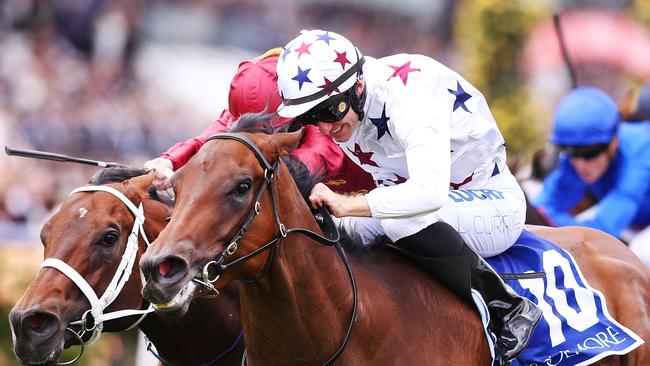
(321,196)
(163,171)
(338,204)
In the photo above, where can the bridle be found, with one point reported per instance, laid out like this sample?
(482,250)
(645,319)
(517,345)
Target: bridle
(220,267)
(121,276)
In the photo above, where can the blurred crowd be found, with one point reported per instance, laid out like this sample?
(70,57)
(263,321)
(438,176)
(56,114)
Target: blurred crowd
(67,86)
(70,81)
(78,77)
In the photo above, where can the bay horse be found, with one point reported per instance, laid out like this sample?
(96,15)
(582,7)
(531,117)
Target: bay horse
(89,233)
(239,217)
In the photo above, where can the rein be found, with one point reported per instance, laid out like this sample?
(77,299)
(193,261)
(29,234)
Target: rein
(270,171)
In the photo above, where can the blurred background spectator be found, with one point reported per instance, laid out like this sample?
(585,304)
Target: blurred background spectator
(123,80)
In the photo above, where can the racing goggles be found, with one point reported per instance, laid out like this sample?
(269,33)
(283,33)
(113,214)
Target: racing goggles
(585,152)
(330,110)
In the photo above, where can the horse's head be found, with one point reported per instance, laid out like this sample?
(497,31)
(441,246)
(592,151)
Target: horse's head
(87,235)
(223,209)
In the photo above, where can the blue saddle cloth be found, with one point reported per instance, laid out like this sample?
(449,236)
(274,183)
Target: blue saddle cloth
(576,328)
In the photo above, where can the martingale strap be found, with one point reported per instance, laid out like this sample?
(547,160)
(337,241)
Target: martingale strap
(121,276)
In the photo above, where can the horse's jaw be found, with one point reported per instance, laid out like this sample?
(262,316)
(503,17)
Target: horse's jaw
(178,305)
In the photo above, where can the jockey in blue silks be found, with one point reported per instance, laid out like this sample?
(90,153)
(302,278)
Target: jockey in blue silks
(602,158)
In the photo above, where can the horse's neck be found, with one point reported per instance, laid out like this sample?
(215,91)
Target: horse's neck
(210,326)
(301,308)
(208,329)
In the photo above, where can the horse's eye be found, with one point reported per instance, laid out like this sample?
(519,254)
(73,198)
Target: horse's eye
(244,186)
(110,238)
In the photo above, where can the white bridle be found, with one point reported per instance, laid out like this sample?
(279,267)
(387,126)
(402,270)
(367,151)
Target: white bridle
(99,304)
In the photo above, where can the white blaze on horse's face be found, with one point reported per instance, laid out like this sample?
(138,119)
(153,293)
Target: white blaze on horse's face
(82,212)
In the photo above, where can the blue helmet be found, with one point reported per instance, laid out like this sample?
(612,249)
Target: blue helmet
(586,116)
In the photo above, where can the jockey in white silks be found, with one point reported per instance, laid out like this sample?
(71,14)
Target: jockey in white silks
(428,138)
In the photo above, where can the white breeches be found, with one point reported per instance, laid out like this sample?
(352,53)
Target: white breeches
(489,218)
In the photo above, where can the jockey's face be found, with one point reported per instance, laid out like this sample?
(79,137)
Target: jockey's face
(342,130)
(593,168)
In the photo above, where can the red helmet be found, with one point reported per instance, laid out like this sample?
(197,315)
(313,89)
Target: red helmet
(254,87)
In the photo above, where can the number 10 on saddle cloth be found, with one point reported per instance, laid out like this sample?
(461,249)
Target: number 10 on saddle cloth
(576,328)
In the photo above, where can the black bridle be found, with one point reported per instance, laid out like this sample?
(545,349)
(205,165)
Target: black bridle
(220,267)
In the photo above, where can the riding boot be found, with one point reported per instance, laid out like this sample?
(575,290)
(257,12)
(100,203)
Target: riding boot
(443,253)
(512,318)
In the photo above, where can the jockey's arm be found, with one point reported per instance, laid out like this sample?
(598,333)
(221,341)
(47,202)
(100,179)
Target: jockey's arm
(561,192)
(617,210)
(423,130)
(181,152)
(424,135)
(612,214)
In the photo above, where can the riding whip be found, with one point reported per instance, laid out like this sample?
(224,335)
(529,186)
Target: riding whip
(564,50)
(35,154)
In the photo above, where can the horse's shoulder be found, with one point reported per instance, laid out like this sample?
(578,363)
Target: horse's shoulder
(396,293)
(397,276)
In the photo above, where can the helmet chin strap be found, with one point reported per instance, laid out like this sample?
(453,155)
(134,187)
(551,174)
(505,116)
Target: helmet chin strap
(357,101)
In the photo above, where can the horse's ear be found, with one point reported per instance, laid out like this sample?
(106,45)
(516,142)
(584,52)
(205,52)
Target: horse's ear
(286,142)
(143,182)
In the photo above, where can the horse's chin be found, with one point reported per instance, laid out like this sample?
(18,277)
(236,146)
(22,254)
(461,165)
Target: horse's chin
(34,358)
(178,305)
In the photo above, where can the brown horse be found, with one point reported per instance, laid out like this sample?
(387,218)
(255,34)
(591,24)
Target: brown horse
(90,233)
(297,301)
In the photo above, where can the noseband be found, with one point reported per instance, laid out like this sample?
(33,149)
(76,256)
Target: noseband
(270,172)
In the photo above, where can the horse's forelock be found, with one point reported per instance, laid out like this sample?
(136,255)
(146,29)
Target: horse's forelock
(261,122)
(254,122)
(115,175)
(119,175)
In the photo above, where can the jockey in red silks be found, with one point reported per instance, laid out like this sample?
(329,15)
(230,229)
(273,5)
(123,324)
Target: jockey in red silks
(428,138)
(254,89)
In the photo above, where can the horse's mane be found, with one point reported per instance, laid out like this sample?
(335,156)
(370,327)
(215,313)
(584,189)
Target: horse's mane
(118,175)
(115,175)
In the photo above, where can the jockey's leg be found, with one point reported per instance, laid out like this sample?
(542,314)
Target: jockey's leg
(442,252)
(474,222)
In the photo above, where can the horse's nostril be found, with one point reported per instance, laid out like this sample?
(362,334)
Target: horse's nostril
(40,323)
(170,267)
(165,267)
(35,321)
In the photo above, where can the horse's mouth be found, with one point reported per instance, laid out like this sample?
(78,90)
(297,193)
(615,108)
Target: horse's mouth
(179,303)
(46,363)
(29,358)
